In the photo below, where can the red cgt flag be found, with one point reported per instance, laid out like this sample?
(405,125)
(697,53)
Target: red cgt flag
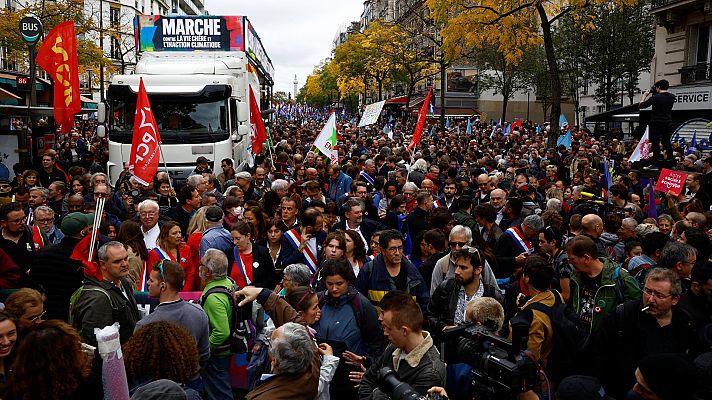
(146,149)
(421,121)
(257,125)
(58,56)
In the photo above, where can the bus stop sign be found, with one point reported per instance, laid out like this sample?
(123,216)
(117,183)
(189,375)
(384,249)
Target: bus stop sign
(30,30)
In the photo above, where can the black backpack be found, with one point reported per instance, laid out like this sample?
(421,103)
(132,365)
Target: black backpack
(241,333)
(570,336)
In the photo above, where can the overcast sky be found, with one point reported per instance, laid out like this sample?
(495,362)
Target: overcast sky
(296,34)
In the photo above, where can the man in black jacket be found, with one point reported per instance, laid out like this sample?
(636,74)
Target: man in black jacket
(354,221)
(449,301)
(188,202)
(661,118)
(55,273)
(638,328)
(434,246)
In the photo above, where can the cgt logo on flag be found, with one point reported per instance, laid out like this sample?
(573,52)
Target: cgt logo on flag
(145,150)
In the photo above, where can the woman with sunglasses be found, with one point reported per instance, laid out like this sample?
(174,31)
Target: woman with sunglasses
(172,247)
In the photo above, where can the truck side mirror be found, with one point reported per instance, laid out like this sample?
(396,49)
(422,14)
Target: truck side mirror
(101,113)
(243,111)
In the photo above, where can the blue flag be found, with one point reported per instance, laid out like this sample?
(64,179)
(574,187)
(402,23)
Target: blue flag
(565,140)
(562,121)
(469,127)
(432,130)
(652,206)
(447,122)
(692,148)
(607,181)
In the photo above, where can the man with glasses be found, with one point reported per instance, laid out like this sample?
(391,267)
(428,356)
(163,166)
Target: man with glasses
(44,221)
(680,258)
(641,327)
(390,271)
(55,272)
(149,219)
(16,239)
(483,194)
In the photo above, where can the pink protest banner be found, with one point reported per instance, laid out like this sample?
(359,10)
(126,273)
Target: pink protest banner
(671,181)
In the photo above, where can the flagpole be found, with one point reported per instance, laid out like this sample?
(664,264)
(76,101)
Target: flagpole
(165,166)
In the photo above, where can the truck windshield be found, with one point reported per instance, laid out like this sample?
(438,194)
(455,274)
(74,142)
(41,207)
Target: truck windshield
(180,120)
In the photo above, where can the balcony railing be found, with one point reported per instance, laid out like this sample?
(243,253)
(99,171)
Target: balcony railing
(695,73)
(662,3)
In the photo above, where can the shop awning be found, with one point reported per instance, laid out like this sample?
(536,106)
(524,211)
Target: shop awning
(629,112)
(7,95)
(400,100)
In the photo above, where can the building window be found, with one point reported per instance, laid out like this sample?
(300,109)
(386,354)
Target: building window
(114,16)
(703,45)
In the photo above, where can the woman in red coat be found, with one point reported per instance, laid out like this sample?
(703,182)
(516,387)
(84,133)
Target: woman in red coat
(172,247)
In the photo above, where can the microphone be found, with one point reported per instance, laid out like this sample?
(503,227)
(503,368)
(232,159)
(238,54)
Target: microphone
(590,196)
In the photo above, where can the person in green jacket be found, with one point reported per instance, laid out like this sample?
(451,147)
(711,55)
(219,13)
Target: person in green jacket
(216,378)
(597,285)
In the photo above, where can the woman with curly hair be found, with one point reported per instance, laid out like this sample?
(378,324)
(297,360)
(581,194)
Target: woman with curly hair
(49,364)
(161,350)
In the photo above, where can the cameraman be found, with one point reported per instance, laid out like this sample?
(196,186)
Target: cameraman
(411,352)
(661,118)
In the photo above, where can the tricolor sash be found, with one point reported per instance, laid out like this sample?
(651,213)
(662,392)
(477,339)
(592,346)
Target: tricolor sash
(521,241)
(163,255)
(310,250)
(240,266)
(368,178)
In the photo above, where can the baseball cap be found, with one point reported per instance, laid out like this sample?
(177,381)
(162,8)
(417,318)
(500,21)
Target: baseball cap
(244,175)
(214,214)
(73,223)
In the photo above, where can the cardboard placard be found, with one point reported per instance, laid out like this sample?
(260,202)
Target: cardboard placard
(671,181)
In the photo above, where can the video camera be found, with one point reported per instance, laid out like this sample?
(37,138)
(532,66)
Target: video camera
(499,370)
(389,382)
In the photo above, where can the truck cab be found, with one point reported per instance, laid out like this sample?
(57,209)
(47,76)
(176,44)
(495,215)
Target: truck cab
(201,105)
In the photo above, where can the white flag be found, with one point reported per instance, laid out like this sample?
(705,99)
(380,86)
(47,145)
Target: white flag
(642,150)
(326,141)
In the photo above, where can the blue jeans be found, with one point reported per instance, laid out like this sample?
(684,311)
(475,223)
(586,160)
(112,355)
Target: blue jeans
(216,379)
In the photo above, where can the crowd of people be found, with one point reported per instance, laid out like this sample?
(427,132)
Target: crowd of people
(326,273)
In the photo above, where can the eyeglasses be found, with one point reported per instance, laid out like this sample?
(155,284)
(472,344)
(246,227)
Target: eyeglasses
(38,318)
(397,249)
(458,244)
(147,213)
(650,292)
(44,220)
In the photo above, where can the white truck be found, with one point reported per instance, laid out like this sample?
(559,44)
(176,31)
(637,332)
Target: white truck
(200,100)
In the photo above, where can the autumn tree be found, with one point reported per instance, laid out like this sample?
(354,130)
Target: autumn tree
(52,14)
(512,26)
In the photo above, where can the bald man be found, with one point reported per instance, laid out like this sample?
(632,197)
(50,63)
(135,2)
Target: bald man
(592,226)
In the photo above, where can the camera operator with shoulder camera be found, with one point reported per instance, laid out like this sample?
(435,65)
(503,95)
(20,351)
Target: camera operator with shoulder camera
(661,118)
(411,352)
